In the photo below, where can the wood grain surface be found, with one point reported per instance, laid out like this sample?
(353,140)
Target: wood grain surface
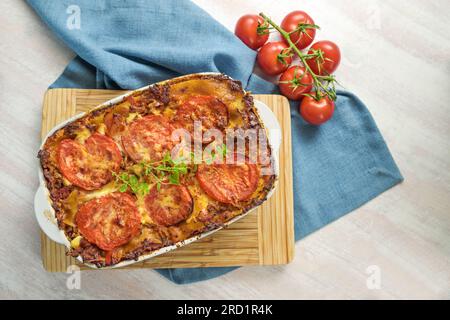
(264,237)
(396,57)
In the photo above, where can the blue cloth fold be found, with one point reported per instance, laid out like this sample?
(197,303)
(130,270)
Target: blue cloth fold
(128,44)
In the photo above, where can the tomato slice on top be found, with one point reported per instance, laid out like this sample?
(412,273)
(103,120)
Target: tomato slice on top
(228,183)
(148,138)
(169,205)
(109,221)
(209,111)
(89,165)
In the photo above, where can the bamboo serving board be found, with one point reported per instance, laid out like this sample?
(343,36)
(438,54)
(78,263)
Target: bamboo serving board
(264,237)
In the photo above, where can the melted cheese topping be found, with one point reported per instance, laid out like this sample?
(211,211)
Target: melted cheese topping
(75,243)
(201,201)
(82,135)
(105,190)
(101,128)
(132,116)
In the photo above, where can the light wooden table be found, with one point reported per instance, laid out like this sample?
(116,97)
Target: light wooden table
(397,59)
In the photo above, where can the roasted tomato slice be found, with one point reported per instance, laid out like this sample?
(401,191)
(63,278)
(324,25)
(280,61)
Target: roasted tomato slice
(89,166)
(228,183)
(109,221)
(148,138)
(169,205)
(209,111)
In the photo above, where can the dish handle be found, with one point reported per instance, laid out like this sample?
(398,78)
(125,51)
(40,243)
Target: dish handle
(45,216)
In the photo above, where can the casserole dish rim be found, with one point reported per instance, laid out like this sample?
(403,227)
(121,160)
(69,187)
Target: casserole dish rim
(46,214)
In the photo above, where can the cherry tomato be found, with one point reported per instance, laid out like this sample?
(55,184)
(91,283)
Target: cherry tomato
(316,112)
(247,30)
(274,58)
(329,62)
(302,38)
(294,82)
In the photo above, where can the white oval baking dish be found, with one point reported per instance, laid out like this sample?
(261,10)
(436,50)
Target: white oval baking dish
(45,214)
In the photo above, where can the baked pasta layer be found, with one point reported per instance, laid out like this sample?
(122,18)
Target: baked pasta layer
(115,188)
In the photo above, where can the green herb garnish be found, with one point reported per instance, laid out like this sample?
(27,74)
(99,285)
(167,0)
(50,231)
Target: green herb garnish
(165,171)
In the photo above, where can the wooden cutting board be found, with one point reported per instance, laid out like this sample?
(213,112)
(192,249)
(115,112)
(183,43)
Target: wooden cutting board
(263,237)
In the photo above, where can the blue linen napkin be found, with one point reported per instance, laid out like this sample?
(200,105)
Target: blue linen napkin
(128,44)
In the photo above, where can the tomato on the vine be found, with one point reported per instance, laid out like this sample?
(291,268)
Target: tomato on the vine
(304,24)
(294,82)
(274,58)
(247,30)
(328,59)
(316,112)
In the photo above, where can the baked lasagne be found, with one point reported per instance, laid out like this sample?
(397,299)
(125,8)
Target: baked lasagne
(115,187)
